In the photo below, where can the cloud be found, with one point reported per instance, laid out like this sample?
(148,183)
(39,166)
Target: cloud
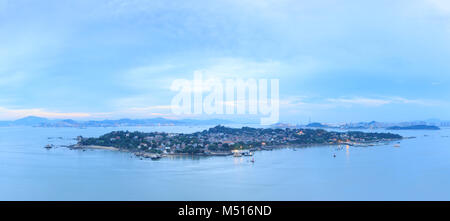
(360,101)
(6,113)
(226,68)
(421,102)
(157,107)
(26,51)
(133,112)
(376,102)
(149,83)
(145,112)
(146,77)
(110,55)
(441,5)
(308,103)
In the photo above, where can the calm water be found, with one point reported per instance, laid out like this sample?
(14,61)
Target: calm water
(418,170)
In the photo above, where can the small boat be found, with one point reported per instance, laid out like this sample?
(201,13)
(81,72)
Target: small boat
(248,154)
(48,146)
(237,154)
(253,160)
(397,145)
(155,157)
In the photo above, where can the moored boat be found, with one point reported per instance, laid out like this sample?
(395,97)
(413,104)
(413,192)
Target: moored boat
(155,157)
(237,154)
(248,154)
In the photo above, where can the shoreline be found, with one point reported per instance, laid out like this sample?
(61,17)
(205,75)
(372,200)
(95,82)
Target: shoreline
(154,156)
(95,147)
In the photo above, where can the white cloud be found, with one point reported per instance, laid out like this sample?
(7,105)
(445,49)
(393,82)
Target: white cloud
(241,68)
(305,103)
(222,68)
(133,112)
(6,113)
(441,5)
(151,81)
(145,77)
(421,102)
(27,50)
(376,102)
(145,112)
(360,101)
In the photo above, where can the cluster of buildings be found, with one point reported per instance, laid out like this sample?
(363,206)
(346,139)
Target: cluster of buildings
(225,139)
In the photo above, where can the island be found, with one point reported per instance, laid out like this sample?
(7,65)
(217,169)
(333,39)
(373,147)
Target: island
(414,127)
(223,141)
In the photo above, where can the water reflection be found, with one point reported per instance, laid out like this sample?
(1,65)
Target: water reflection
(30,172)
(238,160)
(347,152)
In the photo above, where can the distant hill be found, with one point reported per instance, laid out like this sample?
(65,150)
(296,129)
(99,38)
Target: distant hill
(414,127)
(31,120)
(44,122)
(315,124)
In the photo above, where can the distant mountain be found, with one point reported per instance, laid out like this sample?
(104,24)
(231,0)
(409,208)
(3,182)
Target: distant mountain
(44,122)
(432,124)
(206,122)
(283,125)
(30,121)
(414,127)
(315,124)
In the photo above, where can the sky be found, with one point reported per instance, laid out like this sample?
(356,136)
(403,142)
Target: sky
(336,61)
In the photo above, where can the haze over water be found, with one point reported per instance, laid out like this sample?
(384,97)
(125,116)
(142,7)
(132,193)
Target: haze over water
(417,170)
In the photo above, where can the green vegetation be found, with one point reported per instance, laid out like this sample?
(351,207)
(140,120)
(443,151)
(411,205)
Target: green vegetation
(225,139)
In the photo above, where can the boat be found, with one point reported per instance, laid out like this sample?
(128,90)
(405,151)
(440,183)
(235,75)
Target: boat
(253,160)
(397,145)
(48,146)
(237,154)
(220,153)
(147,155)
(155,157)
(248,154)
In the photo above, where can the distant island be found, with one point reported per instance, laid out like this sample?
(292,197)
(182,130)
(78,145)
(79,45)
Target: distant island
(34,121)
(431,124)
(316,124)
(221,140)
(414,127)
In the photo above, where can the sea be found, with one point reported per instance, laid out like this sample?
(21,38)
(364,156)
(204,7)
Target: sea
(413,169)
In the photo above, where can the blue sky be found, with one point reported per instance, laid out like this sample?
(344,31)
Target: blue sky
(336,60)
